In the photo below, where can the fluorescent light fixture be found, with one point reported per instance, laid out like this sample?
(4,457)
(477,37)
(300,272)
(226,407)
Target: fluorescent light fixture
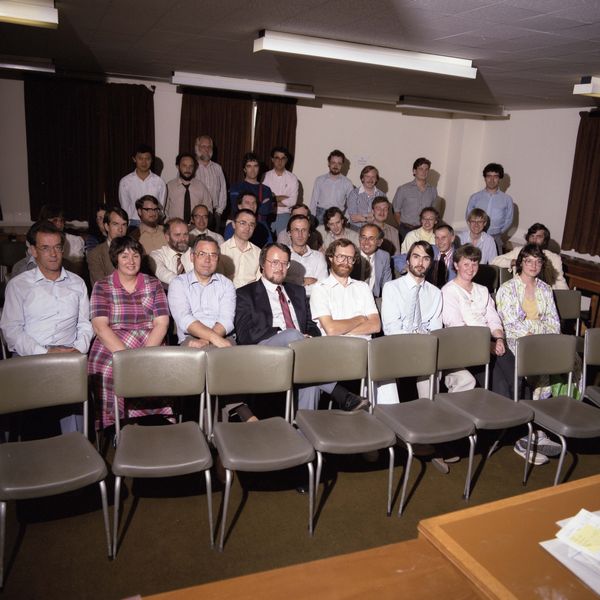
(288,43)
(450,106)
(40,13)
(252,86)
(589,86)
(18,63)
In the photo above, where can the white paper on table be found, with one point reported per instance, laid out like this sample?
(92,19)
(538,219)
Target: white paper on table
(563,522)
(581,568)
(582,533)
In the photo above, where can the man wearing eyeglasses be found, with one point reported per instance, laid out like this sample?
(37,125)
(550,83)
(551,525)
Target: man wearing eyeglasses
(273,312)
(174,257)
(340,304)
(202,301)
(149,234)
(46,309)
(239,256)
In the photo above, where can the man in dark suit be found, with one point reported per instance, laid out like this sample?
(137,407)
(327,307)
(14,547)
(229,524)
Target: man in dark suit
(374,265)
(442,267)
(271,312)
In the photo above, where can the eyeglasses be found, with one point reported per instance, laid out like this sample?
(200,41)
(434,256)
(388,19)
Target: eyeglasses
(533,262)
(278,263)
(477,222)
(250,224)
(428,218)
(370,238)
(280,158)
(212,255)
(343,258)
(151,209)
(50,249)
(199,216)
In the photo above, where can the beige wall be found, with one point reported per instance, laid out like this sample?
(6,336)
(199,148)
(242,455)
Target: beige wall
(536,148)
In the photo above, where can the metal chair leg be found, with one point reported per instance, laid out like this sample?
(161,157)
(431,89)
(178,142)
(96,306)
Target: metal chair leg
(472,442)
(318,475)
(210,506)
(116,515)
(311,497)
(102,485)
(2,540)
(527,453)
(406,474)
(390,480)
(561,460)
(228,479)
(495,445)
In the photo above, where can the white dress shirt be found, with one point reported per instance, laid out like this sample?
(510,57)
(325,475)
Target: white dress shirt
(132,188)
(310,264)
(285,184)
(211,175)
(240,267)
(39,313)
(164,262)
(194,233)
(278,318)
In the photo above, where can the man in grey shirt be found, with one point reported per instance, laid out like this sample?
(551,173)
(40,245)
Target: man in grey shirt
(412,197)
(331,189)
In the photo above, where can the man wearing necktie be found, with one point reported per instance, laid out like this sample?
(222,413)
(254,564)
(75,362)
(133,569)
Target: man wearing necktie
(185,191)
(273,312)
(442,269)
(174,258)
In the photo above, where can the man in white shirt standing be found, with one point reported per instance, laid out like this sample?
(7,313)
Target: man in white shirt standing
(284,186)
(307,266)
(211,175)
(332,189)
(141,182)
(174,258)
(239,256)
(46,309)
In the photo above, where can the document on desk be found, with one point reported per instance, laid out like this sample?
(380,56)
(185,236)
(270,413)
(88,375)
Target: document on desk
(577,547)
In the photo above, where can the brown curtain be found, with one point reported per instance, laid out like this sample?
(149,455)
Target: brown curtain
(227,119)
(276,122)
(582,222)
(80,136)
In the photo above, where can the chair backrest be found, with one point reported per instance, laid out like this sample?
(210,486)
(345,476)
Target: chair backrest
(11,252)
(489,276)
(545,354)
(43,380)
(592,347)
(504,275)
(568,305)
(403,355)
(465,346)
(329,358)
(159,371)
(249,370)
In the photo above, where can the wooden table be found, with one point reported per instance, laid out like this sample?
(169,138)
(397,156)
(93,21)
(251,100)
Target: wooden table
(496,545)
(413,569)
(585,275)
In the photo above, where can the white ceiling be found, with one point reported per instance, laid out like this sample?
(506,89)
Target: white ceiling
(529,53)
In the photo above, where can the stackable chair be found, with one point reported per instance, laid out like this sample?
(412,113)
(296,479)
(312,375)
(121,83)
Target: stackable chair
(469,346)
(167,450)
(504,275)
(50,466)
(257,446)
(339,358)
(419,421)
(553,354)
(568,306)
(591,356)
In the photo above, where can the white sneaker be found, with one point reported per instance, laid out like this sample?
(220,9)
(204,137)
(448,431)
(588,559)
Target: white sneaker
(535,458)
(541,443)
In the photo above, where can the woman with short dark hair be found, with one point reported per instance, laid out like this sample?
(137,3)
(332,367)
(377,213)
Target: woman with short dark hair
(128,310)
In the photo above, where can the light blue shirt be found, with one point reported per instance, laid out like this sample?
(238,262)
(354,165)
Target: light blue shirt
(191,301)
(486,244)
(39,313)
(498,207)
(330,191)
(396,302)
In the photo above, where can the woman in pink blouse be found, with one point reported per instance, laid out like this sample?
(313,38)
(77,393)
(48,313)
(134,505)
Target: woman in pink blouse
(128,310)
(468,303)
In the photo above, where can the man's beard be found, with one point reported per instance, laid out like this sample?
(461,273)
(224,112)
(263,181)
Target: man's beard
(186,177)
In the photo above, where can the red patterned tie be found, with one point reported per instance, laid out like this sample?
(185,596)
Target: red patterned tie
(287,314)
(180,268)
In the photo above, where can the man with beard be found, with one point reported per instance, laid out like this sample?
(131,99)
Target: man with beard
(211,175)
(174,258)
(332,189)
(275,313)
(185,191)
(150,234)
